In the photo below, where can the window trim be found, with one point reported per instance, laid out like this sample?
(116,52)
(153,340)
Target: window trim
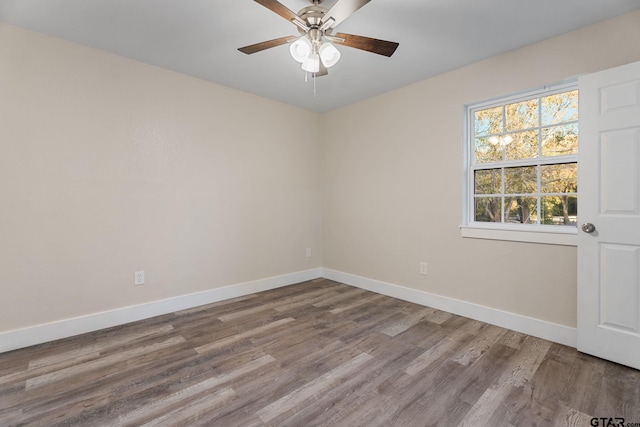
(536,233)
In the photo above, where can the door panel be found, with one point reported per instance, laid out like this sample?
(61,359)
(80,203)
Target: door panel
(619,165)
(609,188)
(619,286)
(619,96)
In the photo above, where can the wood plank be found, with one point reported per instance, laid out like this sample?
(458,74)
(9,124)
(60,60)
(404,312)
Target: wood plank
(244,335)
(355,304)
(351,294)
(525,362)
(304,394)
(569,417)
(172,404)
(99,347)
(101,363)
(487,337)
(405,322)
(192,412)
(443,348)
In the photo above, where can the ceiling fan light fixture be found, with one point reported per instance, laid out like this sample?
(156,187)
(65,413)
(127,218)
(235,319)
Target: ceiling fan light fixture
(329,54)
(312,63)
(300,49)
(315,23)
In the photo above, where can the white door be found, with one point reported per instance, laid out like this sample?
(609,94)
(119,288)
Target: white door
(609,188)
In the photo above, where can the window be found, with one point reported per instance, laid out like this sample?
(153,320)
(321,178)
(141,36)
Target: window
(522,167)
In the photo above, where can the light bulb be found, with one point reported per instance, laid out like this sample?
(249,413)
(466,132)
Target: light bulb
(300,49)
(312,63)
(506,140)
(494,140)
(329,54)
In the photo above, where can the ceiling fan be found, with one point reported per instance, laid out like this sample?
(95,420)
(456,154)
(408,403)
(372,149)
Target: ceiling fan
(314,47)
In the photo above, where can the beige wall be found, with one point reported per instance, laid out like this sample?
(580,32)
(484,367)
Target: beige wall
(108,166)
(392,174)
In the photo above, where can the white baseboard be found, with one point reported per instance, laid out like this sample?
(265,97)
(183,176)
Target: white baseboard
(19,338)
(527,325)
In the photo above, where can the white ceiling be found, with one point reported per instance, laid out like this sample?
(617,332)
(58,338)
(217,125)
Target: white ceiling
(200,38)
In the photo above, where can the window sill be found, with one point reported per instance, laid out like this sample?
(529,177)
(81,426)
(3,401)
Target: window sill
(565,237)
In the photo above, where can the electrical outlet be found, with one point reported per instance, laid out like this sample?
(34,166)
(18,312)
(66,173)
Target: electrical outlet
(423,268)
(308,252)
(138,278)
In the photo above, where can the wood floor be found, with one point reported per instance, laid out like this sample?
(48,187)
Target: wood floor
(317,353)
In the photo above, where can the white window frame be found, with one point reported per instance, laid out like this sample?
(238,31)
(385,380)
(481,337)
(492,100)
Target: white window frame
(532,233)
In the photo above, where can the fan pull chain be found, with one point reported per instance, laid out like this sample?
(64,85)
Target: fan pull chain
(306,79)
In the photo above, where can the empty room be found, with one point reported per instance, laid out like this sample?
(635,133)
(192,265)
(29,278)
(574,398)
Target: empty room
(320,213)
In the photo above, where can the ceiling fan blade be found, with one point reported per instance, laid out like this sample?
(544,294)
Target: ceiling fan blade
(341,11)
(381,47)
(265,45)
(279,8)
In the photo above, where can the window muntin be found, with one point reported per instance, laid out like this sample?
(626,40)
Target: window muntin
(523,160)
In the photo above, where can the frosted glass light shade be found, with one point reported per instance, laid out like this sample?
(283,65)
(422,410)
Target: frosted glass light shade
(312,63)
(300,49)
(329,54)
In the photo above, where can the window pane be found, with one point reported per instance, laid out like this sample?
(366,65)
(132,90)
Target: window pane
(488,209)
(488,181)
(522,115)
(487,152)
(488,121)
(520,180)
(559,210)
(560,178)
(521,145)
(561,107)
(560,140)
(521,210)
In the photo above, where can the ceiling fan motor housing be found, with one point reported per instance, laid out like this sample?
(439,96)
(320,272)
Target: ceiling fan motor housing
(312,15)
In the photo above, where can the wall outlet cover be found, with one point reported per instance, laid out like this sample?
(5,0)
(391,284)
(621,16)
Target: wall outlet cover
(424,267)
(138,278)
